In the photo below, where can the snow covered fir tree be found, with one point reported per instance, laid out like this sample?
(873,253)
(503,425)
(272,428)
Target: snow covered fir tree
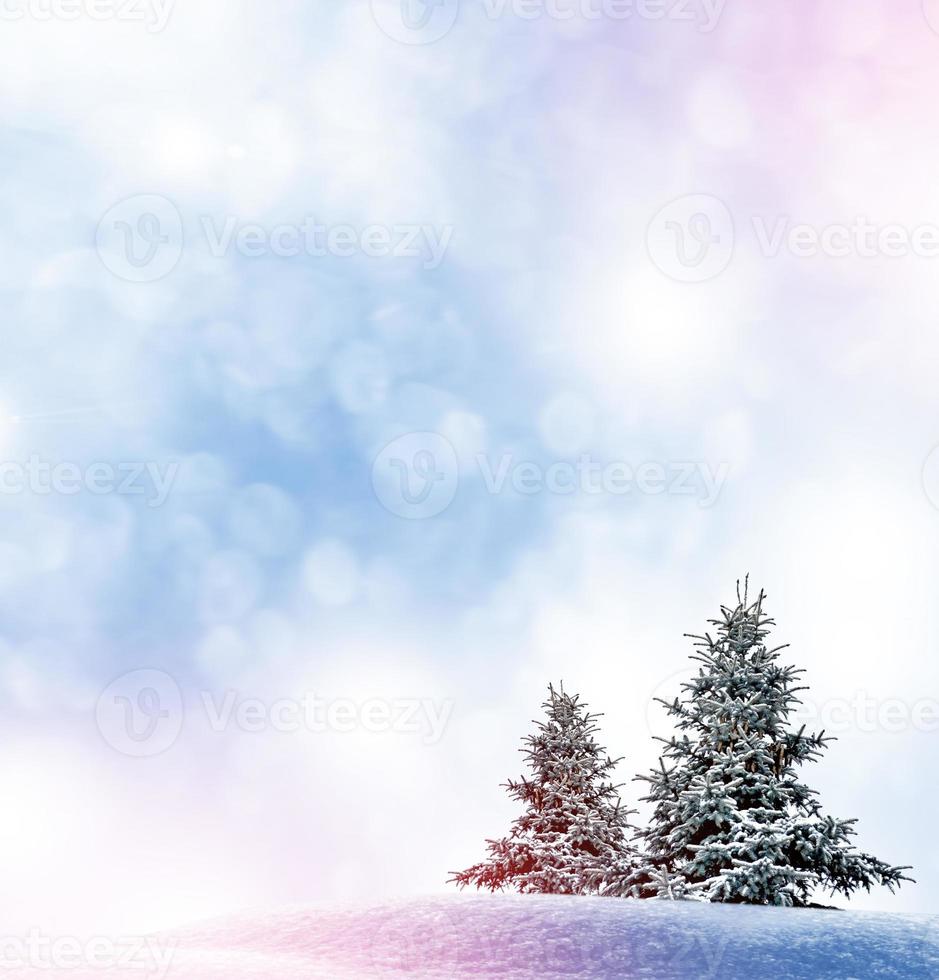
(573,836)
(732,822)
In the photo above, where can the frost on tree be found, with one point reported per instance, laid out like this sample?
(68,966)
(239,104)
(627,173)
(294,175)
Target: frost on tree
(732,822)
(572,838)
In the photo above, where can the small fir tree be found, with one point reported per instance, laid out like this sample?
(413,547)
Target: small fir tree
(572,838)
(732,822)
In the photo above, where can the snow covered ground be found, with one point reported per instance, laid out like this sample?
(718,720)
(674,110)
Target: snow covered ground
(548,937)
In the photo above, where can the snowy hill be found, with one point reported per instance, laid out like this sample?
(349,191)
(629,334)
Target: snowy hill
(548,937)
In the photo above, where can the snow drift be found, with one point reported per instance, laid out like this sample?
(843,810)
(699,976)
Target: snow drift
(548,937)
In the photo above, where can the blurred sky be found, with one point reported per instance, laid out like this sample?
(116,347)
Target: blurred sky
(614,281)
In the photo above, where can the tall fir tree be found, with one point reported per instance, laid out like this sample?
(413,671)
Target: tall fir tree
(732,821)
(573,837)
